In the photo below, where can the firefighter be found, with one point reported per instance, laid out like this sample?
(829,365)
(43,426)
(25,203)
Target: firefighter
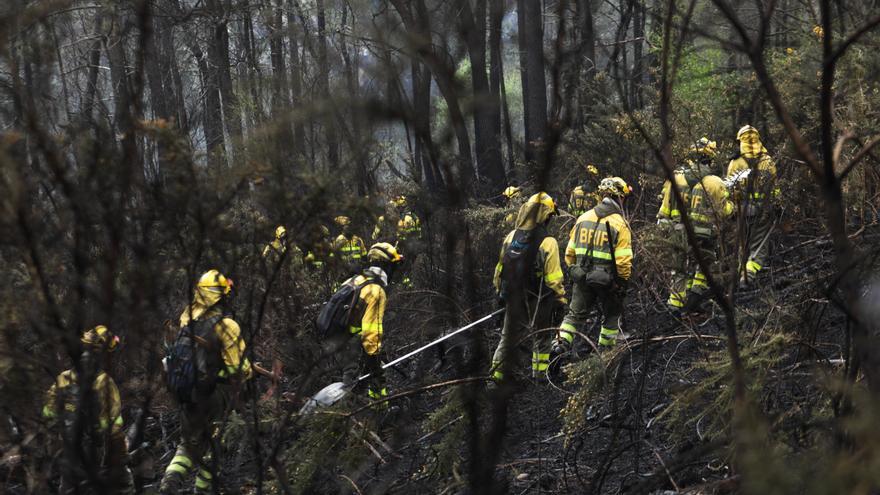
(320,248)
(91,420)
(409,227)
(511,194)
(201,417)
(349,247)
(577,201)
(599,255)
(754,196)
(529,282)
(673,240)
(710,207)
(361,354)
(278,246)
(409,237)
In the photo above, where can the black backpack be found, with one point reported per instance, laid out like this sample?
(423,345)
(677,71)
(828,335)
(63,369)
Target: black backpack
(336,314)
(519,262)
(194,361)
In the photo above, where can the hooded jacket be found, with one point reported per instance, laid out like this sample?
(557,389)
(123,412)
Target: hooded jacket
(61,399)
(371,308)
(751,150)
(204,305)
(531,216)
(710,205)
(589,238)
(350,249)
(669,207)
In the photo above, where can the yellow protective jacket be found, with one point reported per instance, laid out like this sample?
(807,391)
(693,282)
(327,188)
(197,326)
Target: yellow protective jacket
(235,364)
(710,205)
(62,395)
(275,247)
(589,238)
(409,227)
(578,202)
(371,310)
(668,205)
(530,216)
(350,249)
(751,150)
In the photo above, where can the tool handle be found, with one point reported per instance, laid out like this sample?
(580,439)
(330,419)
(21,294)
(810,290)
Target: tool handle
(441,339)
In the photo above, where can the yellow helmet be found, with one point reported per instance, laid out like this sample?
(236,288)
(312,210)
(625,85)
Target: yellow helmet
(745,130)
(511,192)
(614,186)
(214,281)
(383,251)
(543,199)
(705,147)
(280,232)
(342,220)
(578,192)
(592,169)
(100,338)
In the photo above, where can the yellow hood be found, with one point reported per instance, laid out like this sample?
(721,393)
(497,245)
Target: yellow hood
(750,145)
(203,300)
(531,215)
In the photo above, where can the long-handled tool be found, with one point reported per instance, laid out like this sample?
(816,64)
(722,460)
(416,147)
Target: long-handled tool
(334,392)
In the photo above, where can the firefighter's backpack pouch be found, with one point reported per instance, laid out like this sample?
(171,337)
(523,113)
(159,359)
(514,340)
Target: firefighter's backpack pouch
(194,361)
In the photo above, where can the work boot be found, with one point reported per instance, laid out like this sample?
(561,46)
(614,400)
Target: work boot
(557,359)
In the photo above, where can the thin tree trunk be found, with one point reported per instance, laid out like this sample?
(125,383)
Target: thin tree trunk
(212,113)
(280,103)
(487,111)
(324,85)
(296,71)
(534,85)
(496,74)
(218,56)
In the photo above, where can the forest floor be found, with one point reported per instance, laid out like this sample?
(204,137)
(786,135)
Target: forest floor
(627,438)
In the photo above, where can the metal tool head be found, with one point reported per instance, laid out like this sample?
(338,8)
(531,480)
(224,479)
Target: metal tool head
(326,397)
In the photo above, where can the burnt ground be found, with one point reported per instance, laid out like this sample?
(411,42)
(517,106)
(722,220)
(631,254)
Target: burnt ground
(623,438)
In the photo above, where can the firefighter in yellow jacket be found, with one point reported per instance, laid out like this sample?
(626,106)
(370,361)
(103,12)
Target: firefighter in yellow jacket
(100,422)
(578,202)
(700,160)
(673,240)
(200,419)
(600,256)
(511,194)
(409,227)
(710,208)
(529,281)
(753,173)
(348,246)
(361,353)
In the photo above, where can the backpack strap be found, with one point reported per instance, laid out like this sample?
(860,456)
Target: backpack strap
(208,324)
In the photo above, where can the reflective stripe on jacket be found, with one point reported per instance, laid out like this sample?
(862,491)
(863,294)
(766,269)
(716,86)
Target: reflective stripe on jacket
(409,226)
(669,206)
(709,205)
(589,237)
(229,333)
(371,305)
(547,259)
(350,249)
(764,180)
(62,395)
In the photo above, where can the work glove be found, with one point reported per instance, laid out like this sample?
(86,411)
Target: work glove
(620,287)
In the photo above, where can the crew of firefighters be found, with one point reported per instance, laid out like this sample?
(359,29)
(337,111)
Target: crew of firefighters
(697,207)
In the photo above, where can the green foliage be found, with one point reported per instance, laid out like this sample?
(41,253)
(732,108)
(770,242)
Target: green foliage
(707,400)
(318,446)
(589,378)
(446,456)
